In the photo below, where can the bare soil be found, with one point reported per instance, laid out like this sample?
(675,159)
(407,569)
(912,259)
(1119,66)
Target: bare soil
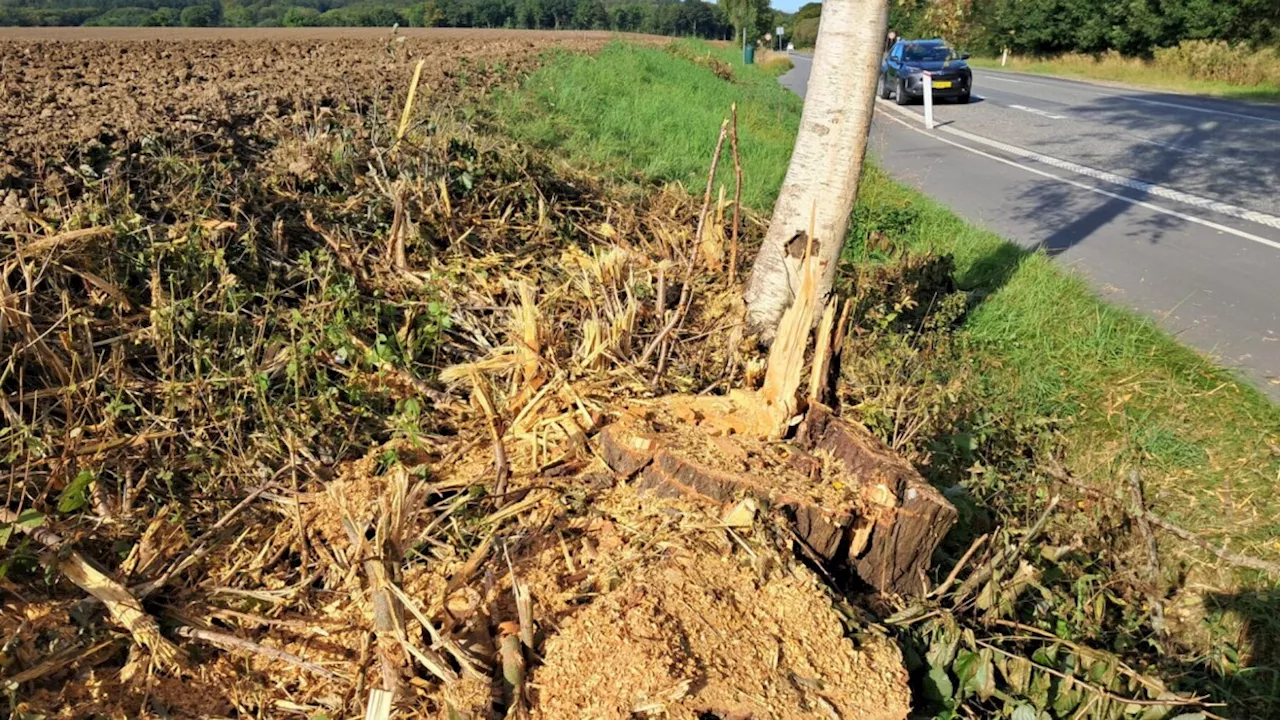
(70,94)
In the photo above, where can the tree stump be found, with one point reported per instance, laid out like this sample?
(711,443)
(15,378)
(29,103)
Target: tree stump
(851,500)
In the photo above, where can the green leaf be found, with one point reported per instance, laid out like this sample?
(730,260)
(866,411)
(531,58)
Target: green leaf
(1038,690)
(1067,698)
(942,651)
(1024,712)
(30,519)
(976,673)
(938,687)
(76,494)
(1189,716)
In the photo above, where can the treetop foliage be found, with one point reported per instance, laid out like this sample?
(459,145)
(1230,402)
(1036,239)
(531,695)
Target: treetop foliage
(658,17)
(1042,27)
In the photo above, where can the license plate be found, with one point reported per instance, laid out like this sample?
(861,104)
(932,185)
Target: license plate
(941,84)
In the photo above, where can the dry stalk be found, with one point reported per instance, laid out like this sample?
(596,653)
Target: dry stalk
(55,662)
(1153,555)
(686,292)
(502,469)
(737,195)
(465,661)
(513,667)
(408,104)
(123,607)
(388,622)
(227,641)
(199,548)
(47,243)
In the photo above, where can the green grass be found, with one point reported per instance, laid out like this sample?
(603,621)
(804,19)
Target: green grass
(1134,73)
(631,110)
(1104,385)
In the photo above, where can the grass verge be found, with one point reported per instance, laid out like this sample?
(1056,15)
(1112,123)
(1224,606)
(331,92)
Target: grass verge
(1134,72)
(1025,364)
(641,112)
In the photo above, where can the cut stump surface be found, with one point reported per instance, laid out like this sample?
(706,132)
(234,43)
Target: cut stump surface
(853,502)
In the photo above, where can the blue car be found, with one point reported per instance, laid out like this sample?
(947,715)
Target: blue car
(902,73)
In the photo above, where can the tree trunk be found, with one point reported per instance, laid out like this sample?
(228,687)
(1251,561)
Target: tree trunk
(822,180)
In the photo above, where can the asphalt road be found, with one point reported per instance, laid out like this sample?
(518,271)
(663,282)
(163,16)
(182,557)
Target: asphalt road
(1169,203)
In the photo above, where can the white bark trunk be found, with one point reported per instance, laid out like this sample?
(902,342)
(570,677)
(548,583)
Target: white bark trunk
(822,180)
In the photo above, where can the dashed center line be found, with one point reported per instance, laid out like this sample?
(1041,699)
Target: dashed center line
(1041,113)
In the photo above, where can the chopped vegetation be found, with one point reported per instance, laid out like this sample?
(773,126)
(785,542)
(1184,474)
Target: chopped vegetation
(1012,386)
(298,402)
(307,364)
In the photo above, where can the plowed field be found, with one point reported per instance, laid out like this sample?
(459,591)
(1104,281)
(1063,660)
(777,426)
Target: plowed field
(71,93)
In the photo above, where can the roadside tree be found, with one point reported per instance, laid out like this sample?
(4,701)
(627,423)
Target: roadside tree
(822,180)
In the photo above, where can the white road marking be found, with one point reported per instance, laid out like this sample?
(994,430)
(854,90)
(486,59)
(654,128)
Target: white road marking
(1161,191)
(1116,96)
(1196,109)
(1005,79)
(1042,113)
(1140,203)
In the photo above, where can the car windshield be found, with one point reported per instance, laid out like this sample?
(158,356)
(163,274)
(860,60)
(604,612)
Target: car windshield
(926,53)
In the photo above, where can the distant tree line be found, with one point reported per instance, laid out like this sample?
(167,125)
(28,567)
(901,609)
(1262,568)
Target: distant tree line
(658,17)
(1044,27)
(1134,28)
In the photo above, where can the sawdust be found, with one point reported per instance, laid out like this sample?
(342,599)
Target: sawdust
(735,634)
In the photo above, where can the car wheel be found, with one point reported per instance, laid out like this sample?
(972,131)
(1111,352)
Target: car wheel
(900,95)
(963,99)
(882,88)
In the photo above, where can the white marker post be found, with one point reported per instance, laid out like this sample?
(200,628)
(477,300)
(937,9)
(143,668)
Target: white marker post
(928,100)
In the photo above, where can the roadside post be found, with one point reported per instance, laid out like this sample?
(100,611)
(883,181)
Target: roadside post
(781,30)
(928,100)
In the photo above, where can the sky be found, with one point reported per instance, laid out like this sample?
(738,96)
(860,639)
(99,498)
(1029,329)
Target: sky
(787,5)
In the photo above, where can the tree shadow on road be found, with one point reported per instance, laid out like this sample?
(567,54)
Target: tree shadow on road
(1199,158)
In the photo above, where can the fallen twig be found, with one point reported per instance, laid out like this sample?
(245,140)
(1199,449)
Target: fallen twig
(230,642)
(984,573)
(955,571)
(1237,559)
(1168,702)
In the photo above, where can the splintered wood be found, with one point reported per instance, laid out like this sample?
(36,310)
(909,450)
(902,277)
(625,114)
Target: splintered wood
(851,500)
